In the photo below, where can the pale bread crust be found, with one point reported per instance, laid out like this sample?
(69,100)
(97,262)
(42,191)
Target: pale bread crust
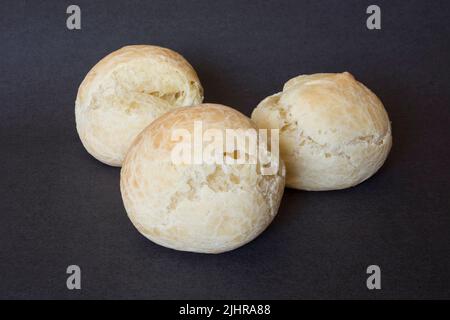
(126,91)
(334,132)
(207,208)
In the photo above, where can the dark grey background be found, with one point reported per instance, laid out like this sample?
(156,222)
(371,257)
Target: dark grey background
(59,206)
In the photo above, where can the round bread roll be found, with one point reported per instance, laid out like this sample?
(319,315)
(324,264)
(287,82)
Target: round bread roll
(198,207)
(125,92)
(334,132)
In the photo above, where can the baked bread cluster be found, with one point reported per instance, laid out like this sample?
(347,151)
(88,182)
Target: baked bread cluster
(125,92)
(330,131)
(209,208)
(334,131)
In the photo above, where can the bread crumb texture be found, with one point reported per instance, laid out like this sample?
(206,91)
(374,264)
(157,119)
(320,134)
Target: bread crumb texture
(125,92)
(208,208)
(334,131)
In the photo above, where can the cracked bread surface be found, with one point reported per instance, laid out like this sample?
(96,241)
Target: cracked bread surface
(334,132)
(206,208)
(126,91)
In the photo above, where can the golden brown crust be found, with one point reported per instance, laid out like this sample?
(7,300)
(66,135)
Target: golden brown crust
(131,53)
(126,91)
(334,131)
(208,208)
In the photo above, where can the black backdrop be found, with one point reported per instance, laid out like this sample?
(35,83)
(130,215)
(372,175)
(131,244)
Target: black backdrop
(59,206)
